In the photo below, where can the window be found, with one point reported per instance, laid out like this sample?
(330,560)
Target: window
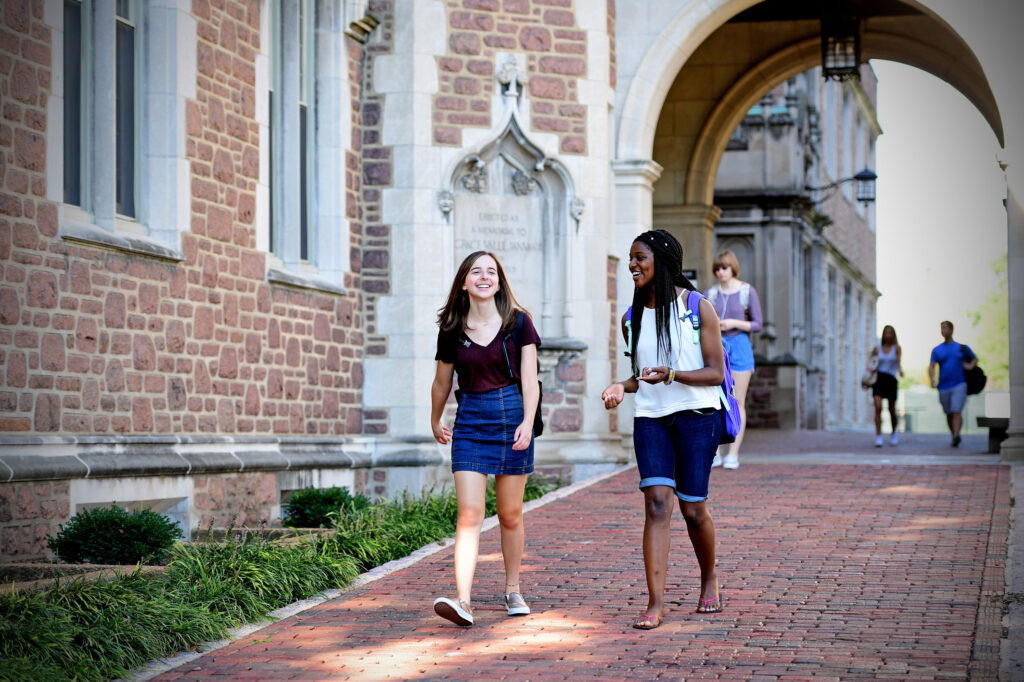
(308,133)
(121,143)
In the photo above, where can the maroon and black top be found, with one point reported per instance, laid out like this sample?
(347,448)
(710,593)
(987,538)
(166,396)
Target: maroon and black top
(483,368)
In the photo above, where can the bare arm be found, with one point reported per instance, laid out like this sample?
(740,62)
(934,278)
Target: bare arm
(439,392)
(899,358)
(931,373)
(531,395)
(614,394)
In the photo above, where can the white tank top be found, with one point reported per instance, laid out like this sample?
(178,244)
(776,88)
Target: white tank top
(659,400)
(888,362)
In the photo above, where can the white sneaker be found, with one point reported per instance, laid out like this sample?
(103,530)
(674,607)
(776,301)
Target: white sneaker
(878,441)
(717,461)
(516,605)
(455,610)
(731,462)
(894,439)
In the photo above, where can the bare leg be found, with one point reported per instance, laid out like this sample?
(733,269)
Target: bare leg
(469,493)
(956,420)
(657,538)
(878,414)
(893,418)
(701,529)
(742,380)
(509,491)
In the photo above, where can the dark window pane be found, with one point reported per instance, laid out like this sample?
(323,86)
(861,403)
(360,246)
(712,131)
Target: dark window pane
(72,102)
(125,108)
(303,186)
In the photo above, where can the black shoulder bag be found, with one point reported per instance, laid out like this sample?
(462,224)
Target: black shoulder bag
(516,336)
(975,377)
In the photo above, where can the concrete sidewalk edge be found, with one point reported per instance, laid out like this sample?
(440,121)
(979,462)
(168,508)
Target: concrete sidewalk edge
(162,665)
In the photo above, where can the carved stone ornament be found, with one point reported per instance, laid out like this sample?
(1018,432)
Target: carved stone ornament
(476,180)
(522,183)
(446,201)
(576,208)
(508,76)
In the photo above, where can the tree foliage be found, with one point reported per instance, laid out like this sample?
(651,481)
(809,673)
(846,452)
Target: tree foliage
(992,319)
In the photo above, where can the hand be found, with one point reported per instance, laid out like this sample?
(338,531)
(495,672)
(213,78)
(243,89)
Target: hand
(442,434)
(613,395)
(524,432)
(654,375)
(726,324)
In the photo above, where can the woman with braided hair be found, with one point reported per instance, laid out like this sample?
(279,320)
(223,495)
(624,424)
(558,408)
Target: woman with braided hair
(676,425)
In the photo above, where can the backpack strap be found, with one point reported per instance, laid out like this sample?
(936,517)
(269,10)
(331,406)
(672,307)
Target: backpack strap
(693,312)
(516,335)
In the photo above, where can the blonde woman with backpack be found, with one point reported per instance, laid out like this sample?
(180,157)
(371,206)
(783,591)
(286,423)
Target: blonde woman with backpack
(739,310)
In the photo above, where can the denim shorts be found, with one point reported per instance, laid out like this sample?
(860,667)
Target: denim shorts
(485,429)
(953,399)
(677,451)
(741,353)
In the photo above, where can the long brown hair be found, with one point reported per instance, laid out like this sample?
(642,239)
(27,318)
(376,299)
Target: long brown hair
(895,341)
(452,317)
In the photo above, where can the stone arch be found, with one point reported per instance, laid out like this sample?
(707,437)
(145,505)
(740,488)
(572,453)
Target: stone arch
(925,41)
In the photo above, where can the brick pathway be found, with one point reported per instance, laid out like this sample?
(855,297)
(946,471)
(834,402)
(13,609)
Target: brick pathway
(828,572)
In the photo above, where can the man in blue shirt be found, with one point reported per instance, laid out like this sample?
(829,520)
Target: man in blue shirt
(951,359)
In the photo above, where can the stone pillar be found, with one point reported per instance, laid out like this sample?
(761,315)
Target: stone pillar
(634,191)
(694,226)
(1012,449)
(816,338)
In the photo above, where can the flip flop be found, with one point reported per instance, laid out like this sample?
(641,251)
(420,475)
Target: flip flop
(646,622)
(712,605)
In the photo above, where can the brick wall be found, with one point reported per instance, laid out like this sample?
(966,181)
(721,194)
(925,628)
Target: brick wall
(101,342)
(29,513)
(236,499)
(545,30)
(377,171)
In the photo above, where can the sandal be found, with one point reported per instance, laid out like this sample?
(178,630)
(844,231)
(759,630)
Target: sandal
(711,605)
(646,621)
(455,610)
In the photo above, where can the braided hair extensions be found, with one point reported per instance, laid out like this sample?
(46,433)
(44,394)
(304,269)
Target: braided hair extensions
(668,274)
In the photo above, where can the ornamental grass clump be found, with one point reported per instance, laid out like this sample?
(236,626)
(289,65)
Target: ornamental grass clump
(115,536)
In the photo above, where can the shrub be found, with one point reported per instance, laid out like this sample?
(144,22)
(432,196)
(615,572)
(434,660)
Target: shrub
(115,536)
(313,507)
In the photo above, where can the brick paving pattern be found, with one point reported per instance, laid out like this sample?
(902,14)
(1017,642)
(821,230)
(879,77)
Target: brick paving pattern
(827,572)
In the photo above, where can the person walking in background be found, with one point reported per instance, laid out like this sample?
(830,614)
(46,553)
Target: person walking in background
(951,359)
(676,423)
(493,432)
(739,310)
(890,366)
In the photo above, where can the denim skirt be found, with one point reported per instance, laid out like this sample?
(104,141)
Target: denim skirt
(485,429)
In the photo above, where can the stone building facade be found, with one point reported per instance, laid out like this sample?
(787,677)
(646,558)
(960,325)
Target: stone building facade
(226,227)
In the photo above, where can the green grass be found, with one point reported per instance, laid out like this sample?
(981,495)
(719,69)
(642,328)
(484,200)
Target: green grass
(78,630)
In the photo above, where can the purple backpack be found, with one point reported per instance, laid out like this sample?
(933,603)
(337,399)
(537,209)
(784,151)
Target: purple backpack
(731,408)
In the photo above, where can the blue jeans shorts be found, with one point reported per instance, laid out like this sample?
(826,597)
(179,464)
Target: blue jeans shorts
(677,451)
(485,429)
(741,353)
(953,399)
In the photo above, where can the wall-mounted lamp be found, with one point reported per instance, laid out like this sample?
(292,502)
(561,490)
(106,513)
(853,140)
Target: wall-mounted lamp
(865,187)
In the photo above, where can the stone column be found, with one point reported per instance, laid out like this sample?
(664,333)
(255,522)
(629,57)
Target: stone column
(634,192)
(694,226)
(1012,449)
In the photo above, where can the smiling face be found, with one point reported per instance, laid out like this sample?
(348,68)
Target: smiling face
(641,264)
(482,281)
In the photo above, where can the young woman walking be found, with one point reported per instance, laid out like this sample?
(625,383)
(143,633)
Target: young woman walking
(676,424)
(493,432)
(739,310)
(886,386)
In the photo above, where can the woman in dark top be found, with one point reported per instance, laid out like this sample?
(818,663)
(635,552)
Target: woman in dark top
(493,432)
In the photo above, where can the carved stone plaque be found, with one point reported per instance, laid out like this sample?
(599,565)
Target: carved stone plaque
(510,226)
